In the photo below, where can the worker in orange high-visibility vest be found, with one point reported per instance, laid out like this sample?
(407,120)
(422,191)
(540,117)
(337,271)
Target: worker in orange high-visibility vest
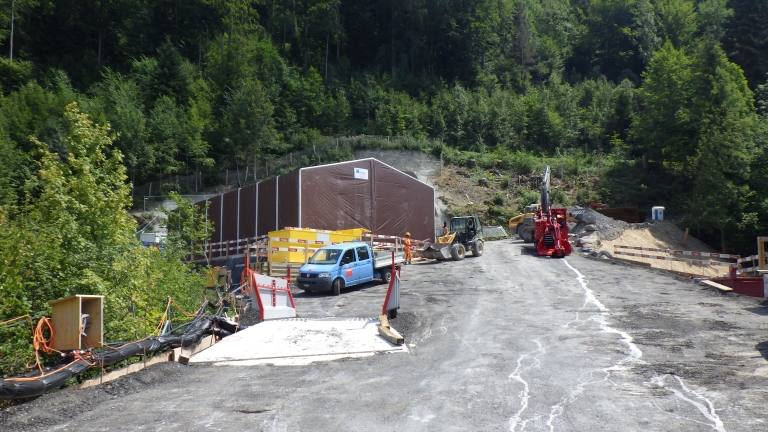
(407,248)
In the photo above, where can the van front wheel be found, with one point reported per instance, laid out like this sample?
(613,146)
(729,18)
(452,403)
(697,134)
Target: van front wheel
(338,284)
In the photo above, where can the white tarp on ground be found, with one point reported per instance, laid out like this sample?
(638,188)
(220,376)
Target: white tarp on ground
(299,341)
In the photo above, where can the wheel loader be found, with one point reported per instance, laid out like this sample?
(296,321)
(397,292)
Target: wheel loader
(522,225)
(465,234)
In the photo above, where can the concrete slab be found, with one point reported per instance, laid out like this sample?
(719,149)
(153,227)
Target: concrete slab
(299,341)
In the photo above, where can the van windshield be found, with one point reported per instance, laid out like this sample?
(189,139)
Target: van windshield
(325,256)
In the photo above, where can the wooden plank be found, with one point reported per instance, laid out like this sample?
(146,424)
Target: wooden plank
(384,321)
(387,333)
(186,353)
(115,374)
(717,285)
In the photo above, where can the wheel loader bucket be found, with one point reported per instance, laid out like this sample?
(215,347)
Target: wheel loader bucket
(440,250)
(435,251)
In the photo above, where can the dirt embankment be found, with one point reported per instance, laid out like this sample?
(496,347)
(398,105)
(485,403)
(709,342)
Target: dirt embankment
(663,235)
(466,191)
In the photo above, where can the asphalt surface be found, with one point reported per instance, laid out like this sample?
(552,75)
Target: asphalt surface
(507,341)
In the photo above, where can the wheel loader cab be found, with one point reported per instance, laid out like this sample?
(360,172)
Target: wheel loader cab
(459,228)
(465,228)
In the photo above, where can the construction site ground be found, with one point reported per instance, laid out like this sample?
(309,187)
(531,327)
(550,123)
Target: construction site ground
(507,341)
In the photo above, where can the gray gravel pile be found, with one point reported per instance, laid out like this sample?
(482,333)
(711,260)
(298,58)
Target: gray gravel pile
(602,226)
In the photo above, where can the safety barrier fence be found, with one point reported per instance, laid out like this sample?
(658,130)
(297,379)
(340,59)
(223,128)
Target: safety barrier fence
(754,264)
(709,262)
(282,253)
(681,252)
(271,296)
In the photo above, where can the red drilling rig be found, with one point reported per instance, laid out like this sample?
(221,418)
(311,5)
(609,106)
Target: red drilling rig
(551,226)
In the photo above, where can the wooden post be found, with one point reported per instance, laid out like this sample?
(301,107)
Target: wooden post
(761,265)
(269,256)
(226,178)
(685,238)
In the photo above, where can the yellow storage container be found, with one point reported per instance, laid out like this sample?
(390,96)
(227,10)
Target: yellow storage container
(296,245)
(356,232)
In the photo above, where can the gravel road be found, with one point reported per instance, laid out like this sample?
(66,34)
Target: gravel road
(508,341)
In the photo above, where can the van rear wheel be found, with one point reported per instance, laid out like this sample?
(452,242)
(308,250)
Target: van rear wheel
(338,284)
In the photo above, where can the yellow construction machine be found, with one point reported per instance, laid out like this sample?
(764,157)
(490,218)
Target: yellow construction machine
(465,235)
(518,225)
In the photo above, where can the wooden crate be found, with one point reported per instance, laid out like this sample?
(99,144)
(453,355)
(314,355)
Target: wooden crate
(66,319)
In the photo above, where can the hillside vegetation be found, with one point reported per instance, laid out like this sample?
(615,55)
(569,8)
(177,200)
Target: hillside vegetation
(643,102)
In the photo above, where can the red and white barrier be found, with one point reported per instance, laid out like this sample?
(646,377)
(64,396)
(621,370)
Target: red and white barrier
(754,259)
(682,252)
(392,300)
(272,297)
(381,236)
(688,260)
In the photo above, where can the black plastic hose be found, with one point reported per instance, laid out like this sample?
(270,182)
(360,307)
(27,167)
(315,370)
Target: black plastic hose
(24,386)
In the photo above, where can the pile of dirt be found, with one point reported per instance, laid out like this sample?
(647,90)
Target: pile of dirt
(404,323)
(662,235)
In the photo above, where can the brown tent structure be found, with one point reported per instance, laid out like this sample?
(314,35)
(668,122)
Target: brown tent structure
(362,193)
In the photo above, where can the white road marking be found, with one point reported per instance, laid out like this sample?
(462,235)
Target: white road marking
(707,410)
(634,352)
(517,376)
(601,319)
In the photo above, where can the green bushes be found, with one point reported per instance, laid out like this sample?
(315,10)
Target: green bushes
(527,197)
(72,235)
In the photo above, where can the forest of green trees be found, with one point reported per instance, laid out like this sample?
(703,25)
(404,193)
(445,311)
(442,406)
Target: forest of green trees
(203,85)
(670,96)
